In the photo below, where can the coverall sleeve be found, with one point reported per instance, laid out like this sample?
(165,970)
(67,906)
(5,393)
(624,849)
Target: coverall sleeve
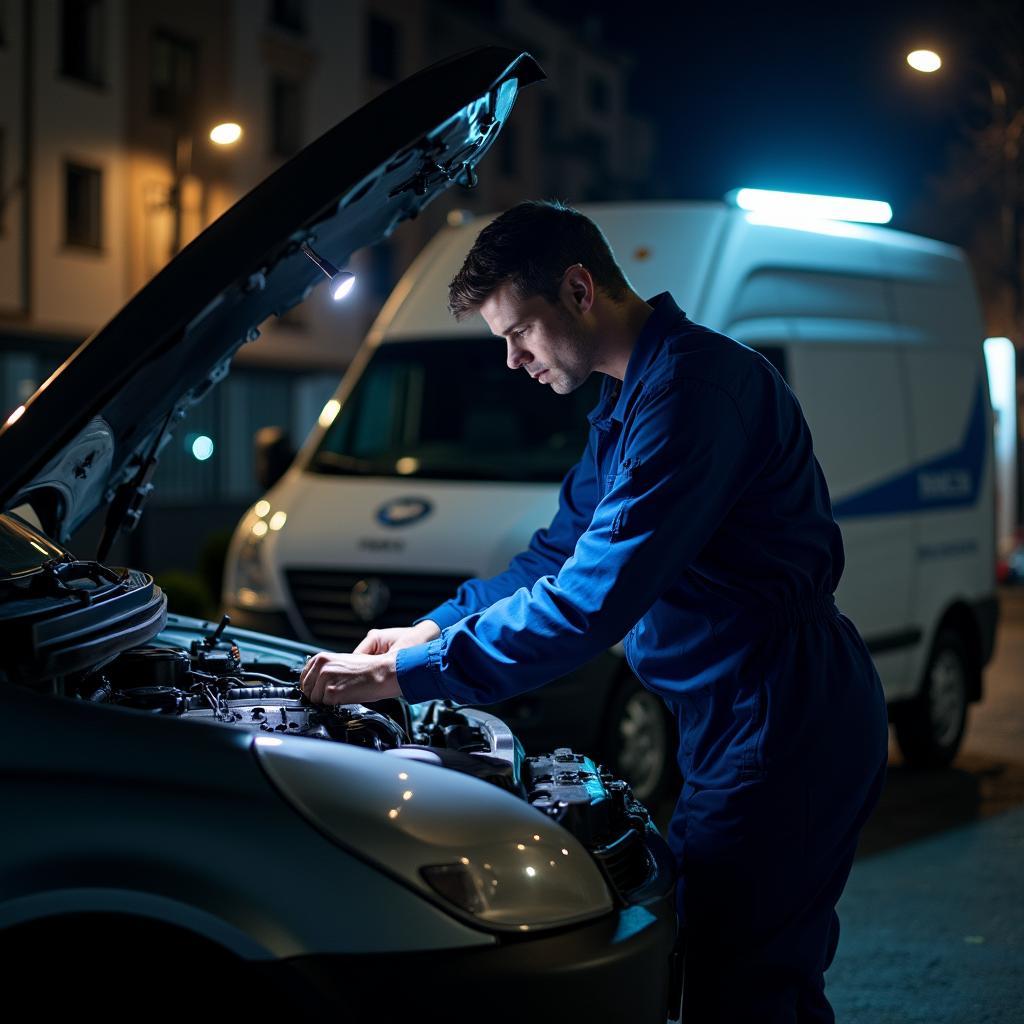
(548,549)
(687,459)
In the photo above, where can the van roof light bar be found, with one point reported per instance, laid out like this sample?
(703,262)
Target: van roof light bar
(800,204)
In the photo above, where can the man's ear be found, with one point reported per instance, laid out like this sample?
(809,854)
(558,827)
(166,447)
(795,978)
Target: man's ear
(578,288)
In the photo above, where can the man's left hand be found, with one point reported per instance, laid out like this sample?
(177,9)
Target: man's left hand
(329,678)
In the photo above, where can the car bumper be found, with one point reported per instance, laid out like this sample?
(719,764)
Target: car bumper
(618,968)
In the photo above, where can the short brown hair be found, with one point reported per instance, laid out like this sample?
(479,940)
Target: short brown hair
(531,245)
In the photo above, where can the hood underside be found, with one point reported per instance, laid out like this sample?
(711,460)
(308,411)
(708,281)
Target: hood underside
(92,433)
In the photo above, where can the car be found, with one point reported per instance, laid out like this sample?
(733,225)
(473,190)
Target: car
(182,826)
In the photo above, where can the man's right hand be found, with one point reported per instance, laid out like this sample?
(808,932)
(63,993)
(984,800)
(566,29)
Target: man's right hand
(381,641)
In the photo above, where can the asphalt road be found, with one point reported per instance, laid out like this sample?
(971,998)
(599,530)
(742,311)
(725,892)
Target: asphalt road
(933,914)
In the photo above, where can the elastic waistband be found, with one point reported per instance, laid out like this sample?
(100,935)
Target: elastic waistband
(817,609)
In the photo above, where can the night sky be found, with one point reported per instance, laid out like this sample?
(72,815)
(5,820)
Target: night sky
(802,97)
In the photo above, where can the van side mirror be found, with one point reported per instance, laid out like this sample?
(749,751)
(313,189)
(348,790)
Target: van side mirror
(273,454)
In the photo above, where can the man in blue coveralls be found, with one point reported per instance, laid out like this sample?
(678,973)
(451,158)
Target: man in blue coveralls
(697,525)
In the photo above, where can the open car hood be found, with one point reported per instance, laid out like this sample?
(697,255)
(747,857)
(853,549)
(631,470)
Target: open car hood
(92,433)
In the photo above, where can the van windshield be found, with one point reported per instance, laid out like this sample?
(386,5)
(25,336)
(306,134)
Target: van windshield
(453,410)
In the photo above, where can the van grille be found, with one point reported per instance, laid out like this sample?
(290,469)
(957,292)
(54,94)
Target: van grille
(323,599)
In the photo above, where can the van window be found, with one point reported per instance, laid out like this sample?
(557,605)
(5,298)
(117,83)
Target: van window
(451,409)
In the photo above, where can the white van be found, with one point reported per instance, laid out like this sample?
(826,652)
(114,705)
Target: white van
(434,462)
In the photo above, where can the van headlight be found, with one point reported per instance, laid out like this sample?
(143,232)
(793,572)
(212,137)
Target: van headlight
(251,583)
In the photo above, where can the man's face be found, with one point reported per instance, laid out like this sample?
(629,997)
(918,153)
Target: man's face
(543,338)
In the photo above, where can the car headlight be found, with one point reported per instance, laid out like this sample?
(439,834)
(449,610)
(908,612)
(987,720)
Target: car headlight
(483,853)
(519,884)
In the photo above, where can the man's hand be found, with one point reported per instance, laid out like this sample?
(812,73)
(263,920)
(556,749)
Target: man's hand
(349,678)
(391,641)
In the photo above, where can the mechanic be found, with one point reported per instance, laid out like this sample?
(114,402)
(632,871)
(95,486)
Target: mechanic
(697,525)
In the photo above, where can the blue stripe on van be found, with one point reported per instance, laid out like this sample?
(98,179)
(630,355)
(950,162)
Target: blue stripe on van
(952,480)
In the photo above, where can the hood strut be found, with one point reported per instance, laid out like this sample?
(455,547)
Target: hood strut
(126,508)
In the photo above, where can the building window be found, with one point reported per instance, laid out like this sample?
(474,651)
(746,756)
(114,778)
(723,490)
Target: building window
(81,40)
(174,74)
(82,205)
(599,97)
(383,47)
(285,116)
(289,14)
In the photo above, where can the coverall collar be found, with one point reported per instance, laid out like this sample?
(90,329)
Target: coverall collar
(658,326)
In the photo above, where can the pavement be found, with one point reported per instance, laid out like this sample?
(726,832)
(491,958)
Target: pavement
(933,932)
(932,918)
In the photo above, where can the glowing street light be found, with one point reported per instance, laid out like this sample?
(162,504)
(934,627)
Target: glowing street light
(925,61)
(1006,129)
(226,133)
(222,134)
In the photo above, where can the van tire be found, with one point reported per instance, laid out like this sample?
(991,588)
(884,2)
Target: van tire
(929,727)
(640,740)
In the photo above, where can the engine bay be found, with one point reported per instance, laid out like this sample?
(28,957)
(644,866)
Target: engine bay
(212,681)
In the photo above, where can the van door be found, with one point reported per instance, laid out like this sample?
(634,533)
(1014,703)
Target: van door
(852,387)
(949,404)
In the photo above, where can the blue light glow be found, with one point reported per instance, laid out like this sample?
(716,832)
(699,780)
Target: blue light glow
(805,206)
(202,448)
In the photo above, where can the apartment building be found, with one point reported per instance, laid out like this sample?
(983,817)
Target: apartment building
(107,168)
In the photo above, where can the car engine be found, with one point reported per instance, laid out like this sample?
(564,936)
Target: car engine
(211,681)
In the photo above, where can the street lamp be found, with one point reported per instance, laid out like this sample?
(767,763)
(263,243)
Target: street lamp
(224,133)
(1008,131)
(925,61)
(1005,136)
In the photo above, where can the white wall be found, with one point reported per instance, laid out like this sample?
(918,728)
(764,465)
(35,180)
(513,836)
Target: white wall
(76,290)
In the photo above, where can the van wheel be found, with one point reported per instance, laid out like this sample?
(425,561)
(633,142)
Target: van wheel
(929,728)
(640,740)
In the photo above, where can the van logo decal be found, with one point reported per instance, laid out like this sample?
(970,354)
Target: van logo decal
(951,480)
(370,598)
(403,511)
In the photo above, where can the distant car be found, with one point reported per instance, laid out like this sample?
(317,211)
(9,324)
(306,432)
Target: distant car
(180,823)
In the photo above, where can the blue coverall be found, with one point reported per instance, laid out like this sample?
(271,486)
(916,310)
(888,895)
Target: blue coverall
(697,525)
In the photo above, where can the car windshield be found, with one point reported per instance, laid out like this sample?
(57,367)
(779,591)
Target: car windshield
(22,549)
(453,410)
